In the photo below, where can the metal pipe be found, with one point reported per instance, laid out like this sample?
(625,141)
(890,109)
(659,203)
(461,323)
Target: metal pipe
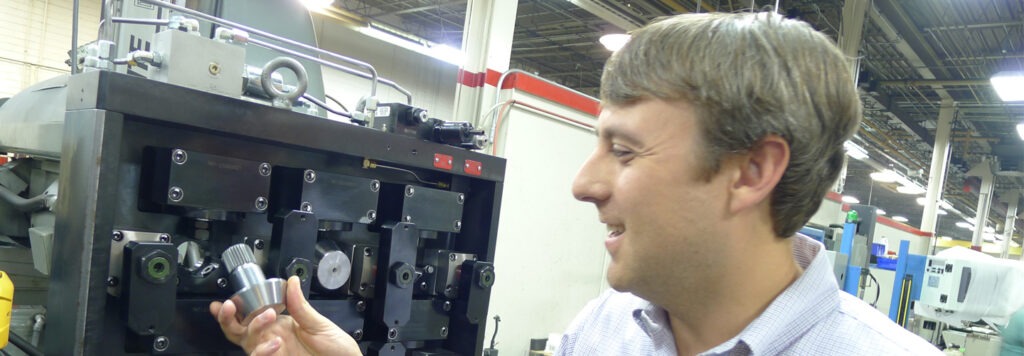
(333,65)
(134,21)
(37,327)
(214,19)
(74,37)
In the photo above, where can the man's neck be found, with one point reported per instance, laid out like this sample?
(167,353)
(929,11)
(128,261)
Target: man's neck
(757,275)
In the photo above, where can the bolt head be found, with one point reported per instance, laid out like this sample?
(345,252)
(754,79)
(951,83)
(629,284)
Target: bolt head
(375,186)
(451,257)
(265,169)
(360,306)
(461,199)
(261,203)
(258,244)
(179,156)
(447,306)
(444,331)
(408,218)
(214,68)
(367,251)
(112,281)
(457,225)
(118,236)
(372,215)
(306,206)
(165,238)
(410,191)
(392,334)
(309,176)
(358,334)
(222,282)
(175,194)
(161,343)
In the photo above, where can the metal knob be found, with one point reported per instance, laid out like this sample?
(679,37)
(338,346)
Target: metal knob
(254,293)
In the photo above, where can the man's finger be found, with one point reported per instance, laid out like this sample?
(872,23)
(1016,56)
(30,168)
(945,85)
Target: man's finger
(267,348)
(299,308)
(226,317)
(260,322)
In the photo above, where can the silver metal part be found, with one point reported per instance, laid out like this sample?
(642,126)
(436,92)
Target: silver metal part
(120,238)
(281,98)
(188,60)
(333,267)
(190,255)
(255,292)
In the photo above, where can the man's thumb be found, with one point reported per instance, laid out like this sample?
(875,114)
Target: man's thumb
(299,308)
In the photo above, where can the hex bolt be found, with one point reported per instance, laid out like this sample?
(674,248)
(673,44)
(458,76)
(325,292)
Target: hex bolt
(258,244)
(358,334)
(461,199)
(112,281)
(360,306)
(175,194)
(375,186)
(444,331)
(179,156)
(372,215)
(486,277)
(410,191)
(306,206)
(447,306)
(165,238)
(118,235)
(161,343)
(457,225)
(222,282)
(261,203)
(392,334)
(265,169)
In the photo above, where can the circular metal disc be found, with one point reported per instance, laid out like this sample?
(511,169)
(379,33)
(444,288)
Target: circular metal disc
(333,270)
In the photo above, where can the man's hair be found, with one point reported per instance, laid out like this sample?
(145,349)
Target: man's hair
(748,76)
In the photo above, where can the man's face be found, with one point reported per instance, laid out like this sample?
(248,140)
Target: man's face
(646,178)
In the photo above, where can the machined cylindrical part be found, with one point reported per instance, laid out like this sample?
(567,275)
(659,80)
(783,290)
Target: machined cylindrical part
(333,267)
(245,276)
(255,292)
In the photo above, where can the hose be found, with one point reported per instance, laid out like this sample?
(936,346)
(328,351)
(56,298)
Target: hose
(23,205)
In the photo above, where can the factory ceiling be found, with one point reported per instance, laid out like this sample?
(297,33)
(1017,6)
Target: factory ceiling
(913,54)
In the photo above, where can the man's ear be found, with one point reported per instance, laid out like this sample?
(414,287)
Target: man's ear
(759,171)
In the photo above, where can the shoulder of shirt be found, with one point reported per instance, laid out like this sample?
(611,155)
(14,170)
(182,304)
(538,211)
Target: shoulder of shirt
(610,304)
(856,319)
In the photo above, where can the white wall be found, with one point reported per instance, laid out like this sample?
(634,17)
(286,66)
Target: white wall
(431,81)
(36,39)
(550,257)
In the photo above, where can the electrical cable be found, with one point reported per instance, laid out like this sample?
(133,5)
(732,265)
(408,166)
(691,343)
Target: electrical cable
(878,288)
(371,164)
(331,98)
(324,105)
(497,319)
(24,345)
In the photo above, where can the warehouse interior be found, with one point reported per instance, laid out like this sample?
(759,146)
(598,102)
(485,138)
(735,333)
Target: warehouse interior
(510,89)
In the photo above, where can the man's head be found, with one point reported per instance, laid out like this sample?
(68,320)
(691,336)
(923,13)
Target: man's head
(713,127)
(748,76)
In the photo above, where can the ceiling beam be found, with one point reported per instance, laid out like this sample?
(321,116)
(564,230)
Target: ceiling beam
(934,82)
(974,26)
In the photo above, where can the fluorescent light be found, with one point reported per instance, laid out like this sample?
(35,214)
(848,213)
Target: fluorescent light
(941,212)
(881,212)
(921,201)
(850,199)
(614,42)
(900,219)
(855,151)
(946,205)
(989,229)
(1020,131)
(885,176)
(965,225)
(1009,85)
(910,189)
(437,51)
(316,5)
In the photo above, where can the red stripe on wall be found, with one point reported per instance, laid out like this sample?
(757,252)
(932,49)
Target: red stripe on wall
(532,85)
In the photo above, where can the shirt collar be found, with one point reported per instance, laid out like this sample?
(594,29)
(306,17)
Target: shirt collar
(802,305)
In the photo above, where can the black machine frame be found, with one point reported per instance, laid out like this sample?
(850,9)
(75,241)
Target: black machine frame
(113,123)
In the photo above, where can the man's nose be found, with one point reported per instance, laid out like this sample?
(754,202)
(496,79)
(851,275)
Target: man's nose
(591,183)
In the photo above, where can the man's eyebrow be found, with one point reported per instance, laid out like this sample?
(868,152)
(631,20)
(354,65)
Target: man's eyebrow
(616,133)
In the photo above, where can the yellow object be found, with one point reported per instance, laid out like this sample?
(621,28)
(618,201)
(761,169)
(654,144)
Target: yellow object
(6,300)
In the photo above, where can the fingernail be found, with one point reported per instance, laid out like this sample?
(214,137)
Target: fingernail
(275,343)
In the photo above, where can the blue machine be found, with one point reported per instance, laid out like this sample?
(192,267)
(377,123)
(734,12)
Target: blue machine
(906,286)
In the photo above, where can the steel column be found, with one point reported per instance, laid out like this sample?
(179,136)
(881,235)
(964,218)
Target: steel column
(937,172)
(1012,198)
(984,171)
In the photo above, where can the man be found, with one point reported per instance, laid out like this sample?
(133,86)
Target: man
(718,138)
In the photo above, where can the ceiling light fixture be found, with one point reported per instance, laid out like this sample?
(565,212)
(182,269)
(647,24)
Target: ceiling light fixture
(434,50)
(912,189)
(921,201)
(316,5)
(614,42)
(1009,85)
(855,151)
(850,199)
(884,176)
(1020,131)
(881,212)
(965,225)
(941,212)
(900,219)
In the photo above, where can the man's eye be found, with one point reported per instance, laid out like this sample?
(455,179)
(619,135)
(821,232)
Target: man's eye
(620,152)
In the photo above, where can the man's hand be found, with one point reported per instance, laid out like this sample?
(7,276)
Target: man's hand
(304,332)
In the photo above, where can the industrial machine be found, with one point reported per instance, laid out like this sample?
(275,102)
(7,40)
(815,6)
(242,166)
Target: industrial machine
(163,177)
